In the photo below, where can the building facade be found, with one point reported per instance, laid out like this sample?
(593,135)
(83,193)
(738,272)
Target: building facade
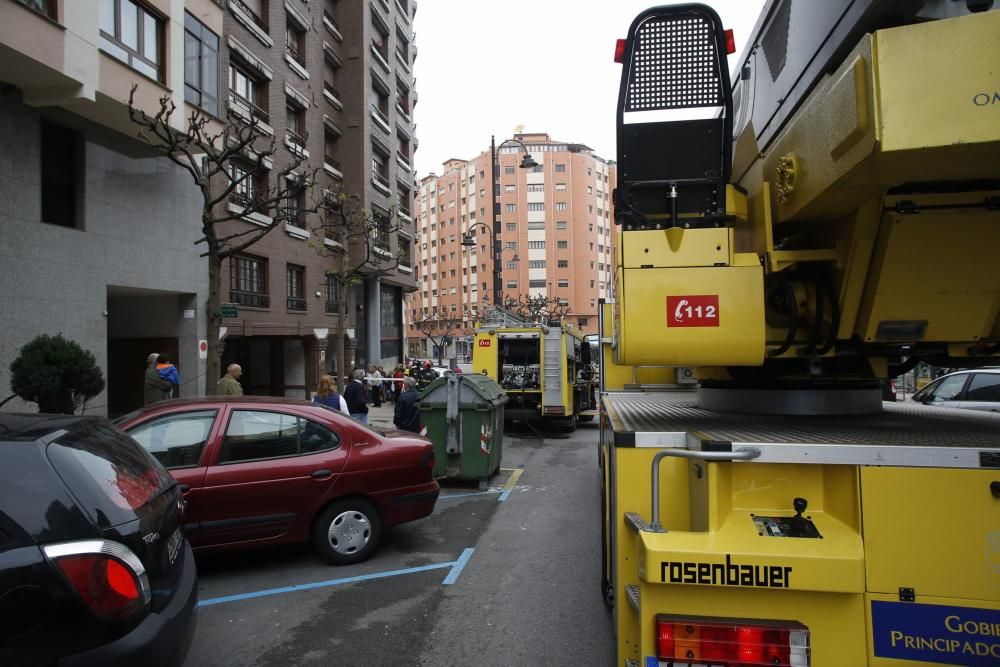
(332,82)
(556,237)
(96,231)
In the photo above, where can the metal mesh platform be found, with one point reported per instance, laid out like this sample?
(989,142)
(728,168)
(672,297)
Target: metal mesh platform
(908,425)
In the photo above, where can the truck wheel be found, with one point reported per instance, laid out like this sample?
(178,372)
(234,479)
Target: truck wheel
(348,531)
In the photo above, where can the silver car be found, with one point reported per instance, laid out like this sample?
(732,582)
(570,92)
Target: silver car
(976,389)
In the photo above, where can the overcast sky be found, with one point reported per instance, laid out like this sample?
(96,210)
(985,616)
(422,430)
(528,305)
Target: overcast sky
(486,67)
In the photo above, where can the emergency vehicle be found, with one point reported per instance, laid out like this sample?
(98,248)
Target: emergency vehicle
(824,221)
(545,369)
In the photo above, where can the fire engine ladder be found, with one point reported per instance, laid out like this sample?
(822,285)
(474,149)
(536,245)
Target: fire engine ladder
(553,368)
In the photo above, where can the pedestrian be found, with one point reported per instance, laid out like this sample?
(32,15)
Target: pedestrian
(397,384)
(354,394)
(406,416)
(386,387)
(154,388)
(326,394)
(375,385)
(168,372)
(228,384)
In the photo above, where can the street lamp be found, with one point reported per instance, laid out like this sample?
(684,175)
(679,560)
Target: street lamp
(527,162)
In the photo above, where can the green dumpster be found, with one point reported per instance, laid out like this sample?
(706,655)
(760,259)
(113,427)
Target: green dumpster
(464,419)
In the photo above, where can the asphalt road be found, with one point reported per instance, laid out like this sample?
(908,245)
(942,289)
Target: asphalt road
(507,576)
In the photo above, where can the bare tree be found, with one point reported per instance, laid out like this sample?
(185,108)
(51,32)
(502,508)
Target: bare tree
(358,241)
(539,308)
(439,325)
(230,168)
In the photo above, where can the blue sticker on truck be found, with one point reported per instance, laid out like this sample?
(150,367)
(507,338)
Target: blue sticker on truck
(936,633)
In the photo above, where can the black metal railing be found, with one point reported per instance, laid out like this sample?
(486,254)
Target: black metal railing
(332,161)
(235,99)
(246,9)
(380,179)
(246,200)
(296,54)
(295,138)
(252,299)
(295,303)
(332,307)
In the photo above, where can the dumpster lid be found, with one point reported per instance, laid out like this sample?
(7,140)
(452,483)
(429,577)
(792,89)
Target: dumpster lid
(472,388)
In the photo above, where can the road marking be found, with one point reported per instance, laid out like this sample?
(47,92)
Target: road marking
(466,495)
(457,567)
(515,474)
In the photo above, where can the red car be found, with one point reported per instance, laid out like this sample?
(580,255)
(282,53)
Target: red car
(261,470)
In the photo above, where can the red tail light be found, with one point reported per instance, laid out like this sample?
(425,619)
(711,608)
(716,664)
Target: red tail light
(619,50)
(735,643)
(730,42)
(107,576)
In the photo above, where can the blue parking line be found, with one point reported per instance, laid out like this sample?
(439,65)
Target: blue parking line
(457,567)
(345,580)
(504,495)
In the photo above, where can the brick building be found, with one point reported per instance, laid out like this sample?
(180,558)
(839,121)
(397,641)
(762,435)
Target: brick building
(556,235)
(330,80)
(97,231)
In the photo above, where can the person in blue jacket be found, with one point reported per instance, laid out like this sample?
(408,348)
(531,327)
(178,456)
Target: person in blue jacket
(168,372)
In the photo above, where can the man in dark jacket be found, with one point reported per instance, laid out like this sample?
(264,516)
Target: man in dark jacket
(154,387)
(407,414)
(354,394)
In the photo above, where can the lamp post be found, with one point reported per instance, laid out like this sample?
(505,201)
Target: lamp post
(527,162)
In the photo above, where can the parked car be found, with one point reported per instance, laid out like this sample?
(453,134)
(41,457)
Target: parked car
(975,389)
(94,567)
(259,470)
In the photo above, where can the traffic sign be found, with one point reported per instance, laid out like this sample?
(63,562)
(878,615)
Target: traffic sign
(228,310)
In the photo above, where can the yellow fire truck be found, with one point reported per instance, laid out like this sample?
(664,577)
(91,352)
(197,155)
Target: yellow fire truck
(545,369)
(825,221)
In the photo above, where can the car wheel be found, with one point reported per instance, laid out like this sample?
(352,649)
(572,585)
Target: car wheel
(348,531)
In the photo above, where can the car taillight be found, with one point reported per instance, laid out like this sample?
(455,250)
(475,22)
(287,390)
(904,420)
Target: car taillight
(106,575)
(734,643)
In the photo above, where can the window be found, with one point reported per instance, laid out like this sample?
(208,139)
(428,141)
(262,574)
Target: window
(562,245)
(61,153)
(404,253)
(563,264)
(132,34)
(295,116)
(511,208)
(536,187)
(536,283)
(244,192)
(512,245)
(511,284)
(511,227)
(252,435)
(295,287)
(509,188)
(380,168)
(248,281)
(536,245)
(560,168)
(295,40)
(380,41)
(590,190)
(536,263)
(563,282)
(176,440)
(508,171)
(581,321)
(246,92)
(330,148)
(380,106)
(560,187)
(332,293)
(43,7)
(201,65)
(561,224)
(511,266)
(536,206)
(984,387)
(561,206)
(381,228)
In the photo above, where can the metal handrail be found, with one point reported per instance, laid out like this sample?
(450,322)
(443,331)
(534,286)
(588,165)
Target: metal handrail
(742,454)
(248,106)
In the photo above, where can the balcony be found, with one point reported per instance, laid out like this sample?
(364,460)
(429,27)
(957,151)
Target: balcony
(332,26)
(237,100)
(333,162)
(332,96)
(293,52)
(379,180)
(295,138)
(404,160)
(252,299)
(239,4)
(382,118)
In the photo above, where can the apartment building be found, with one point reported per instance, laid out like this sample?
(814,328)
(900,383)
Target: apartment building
(331,81)
(556,235)
(96,231)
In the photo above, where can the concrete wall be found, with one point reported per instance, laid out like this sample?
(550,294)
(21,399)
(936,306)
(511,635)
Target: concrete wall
(140,221)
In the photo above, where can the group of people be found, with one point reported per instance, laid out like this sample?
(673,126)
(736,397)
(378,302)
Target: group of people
(162,378)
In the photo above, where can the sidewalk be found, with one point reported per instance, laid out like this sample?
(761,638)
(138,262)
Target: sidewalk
(381,416)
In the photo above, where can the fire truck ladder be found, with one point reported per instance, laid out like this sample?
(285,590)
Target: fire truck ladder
(553,368)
